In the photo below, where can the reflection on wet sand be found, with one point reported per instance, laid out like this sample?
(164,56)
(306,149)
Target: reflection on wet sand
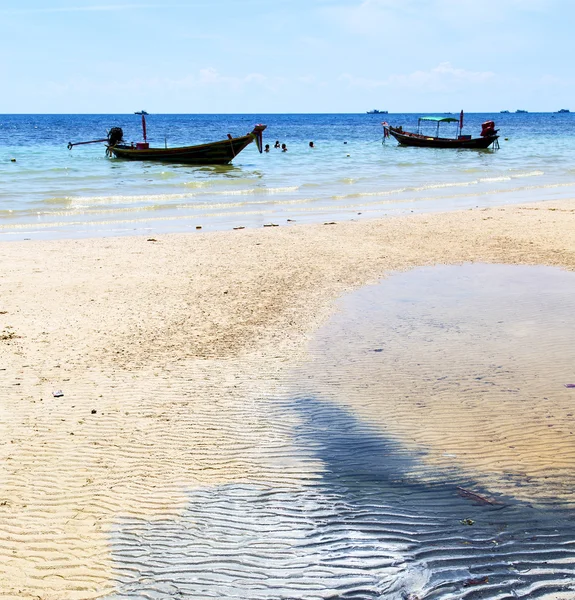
(363,528)
(467,364)
(429,452)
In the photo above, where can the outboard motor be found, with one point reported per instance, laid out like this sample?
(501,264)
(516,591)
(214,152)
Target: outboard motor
(115,136)
(488,129)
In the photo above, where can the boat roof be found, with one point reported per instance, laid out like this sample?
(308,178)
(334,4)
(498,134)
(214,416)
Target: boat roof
(439,119)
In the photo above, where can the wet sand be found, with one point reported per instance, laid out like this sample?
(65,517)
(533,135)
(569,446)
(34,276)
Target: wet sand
(176,344)
(465,365)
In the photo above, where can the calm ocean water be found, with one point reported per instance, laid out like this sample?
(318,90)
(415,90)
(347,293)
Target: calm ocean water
(51,192)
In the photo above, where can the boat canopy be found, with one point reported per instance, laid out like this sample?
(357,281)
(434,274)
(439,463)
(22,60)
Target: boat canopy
(439,119)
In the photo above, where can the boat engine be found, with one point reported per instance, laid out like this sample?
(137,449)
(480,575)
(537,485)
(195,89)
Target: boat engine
(115,135)
(488,129)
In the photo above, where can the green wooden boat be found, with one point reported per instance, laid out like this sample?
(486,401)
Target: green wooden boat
(214,153)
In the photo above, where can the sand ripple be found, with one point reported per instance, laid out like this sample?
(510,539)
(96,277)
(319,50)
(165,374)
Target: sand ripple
(213,467)
(365,529)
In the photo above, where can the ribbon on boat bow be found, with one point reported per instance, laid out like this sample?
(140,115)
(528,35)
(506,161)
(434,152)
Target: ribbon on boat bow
(257,134)
(385,129)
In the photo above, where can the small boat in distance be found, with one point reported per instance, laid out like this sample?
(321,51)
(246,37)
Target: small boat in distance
(405,138)
(377,112)
(564,110)
(214,153)
(504,112)
(521,112)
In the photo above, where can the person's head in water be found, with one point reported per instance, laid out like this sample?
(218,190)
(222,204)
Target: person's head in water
(284,148)
(267,148)
(277,144)
(311,145)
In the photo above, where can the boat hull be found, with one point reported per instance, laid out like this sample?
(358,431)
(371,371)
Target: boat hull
(214,153)
(414,139)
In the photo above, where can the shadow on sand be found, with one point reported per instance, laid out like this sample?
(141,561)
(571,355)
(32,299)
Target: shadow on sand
(361,529)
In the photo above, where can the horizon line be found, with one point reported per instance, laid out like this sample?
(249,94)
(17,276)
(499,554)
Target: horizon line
(471,112)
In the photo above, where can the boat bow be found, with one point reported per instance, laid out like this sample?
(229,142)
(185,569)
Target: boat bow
(213,153)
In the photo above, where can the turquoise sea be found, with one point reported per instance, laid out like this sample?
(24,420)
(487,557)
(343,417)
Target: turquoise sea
(52,192)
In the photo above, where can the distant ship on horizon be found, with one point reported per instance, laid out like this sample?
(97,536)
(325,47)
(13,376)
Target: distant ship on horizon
(521,111)
(504,112)
(563,110)
(377,112)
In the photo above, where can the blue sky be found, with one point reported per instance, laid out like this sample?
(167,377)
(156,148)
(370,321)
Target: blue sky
(275,56)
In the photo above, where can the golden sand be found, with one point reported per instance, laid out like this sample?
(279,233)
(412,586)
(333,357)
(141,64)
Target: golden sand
(174,343)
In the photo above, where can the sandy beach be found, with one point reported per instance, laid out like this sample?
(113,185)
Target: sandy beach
(164,349)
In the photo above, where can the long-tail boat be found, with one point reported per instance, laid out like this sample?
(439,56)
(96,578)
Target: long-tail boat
(487,137)
(213,153)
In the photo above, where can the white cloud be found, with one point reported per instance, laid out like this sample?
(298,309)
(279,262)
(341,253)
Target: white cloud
(204,79)
(362,82)
(488,5)
(114,7)
(370,17)
(442,78)
(554,80)
(490,10)
(382,17)
(92,8)
(211,76)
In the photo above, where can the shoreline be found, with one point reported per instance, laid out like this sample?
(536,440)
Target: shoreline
(162,339)
(205,279)
(222,217)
